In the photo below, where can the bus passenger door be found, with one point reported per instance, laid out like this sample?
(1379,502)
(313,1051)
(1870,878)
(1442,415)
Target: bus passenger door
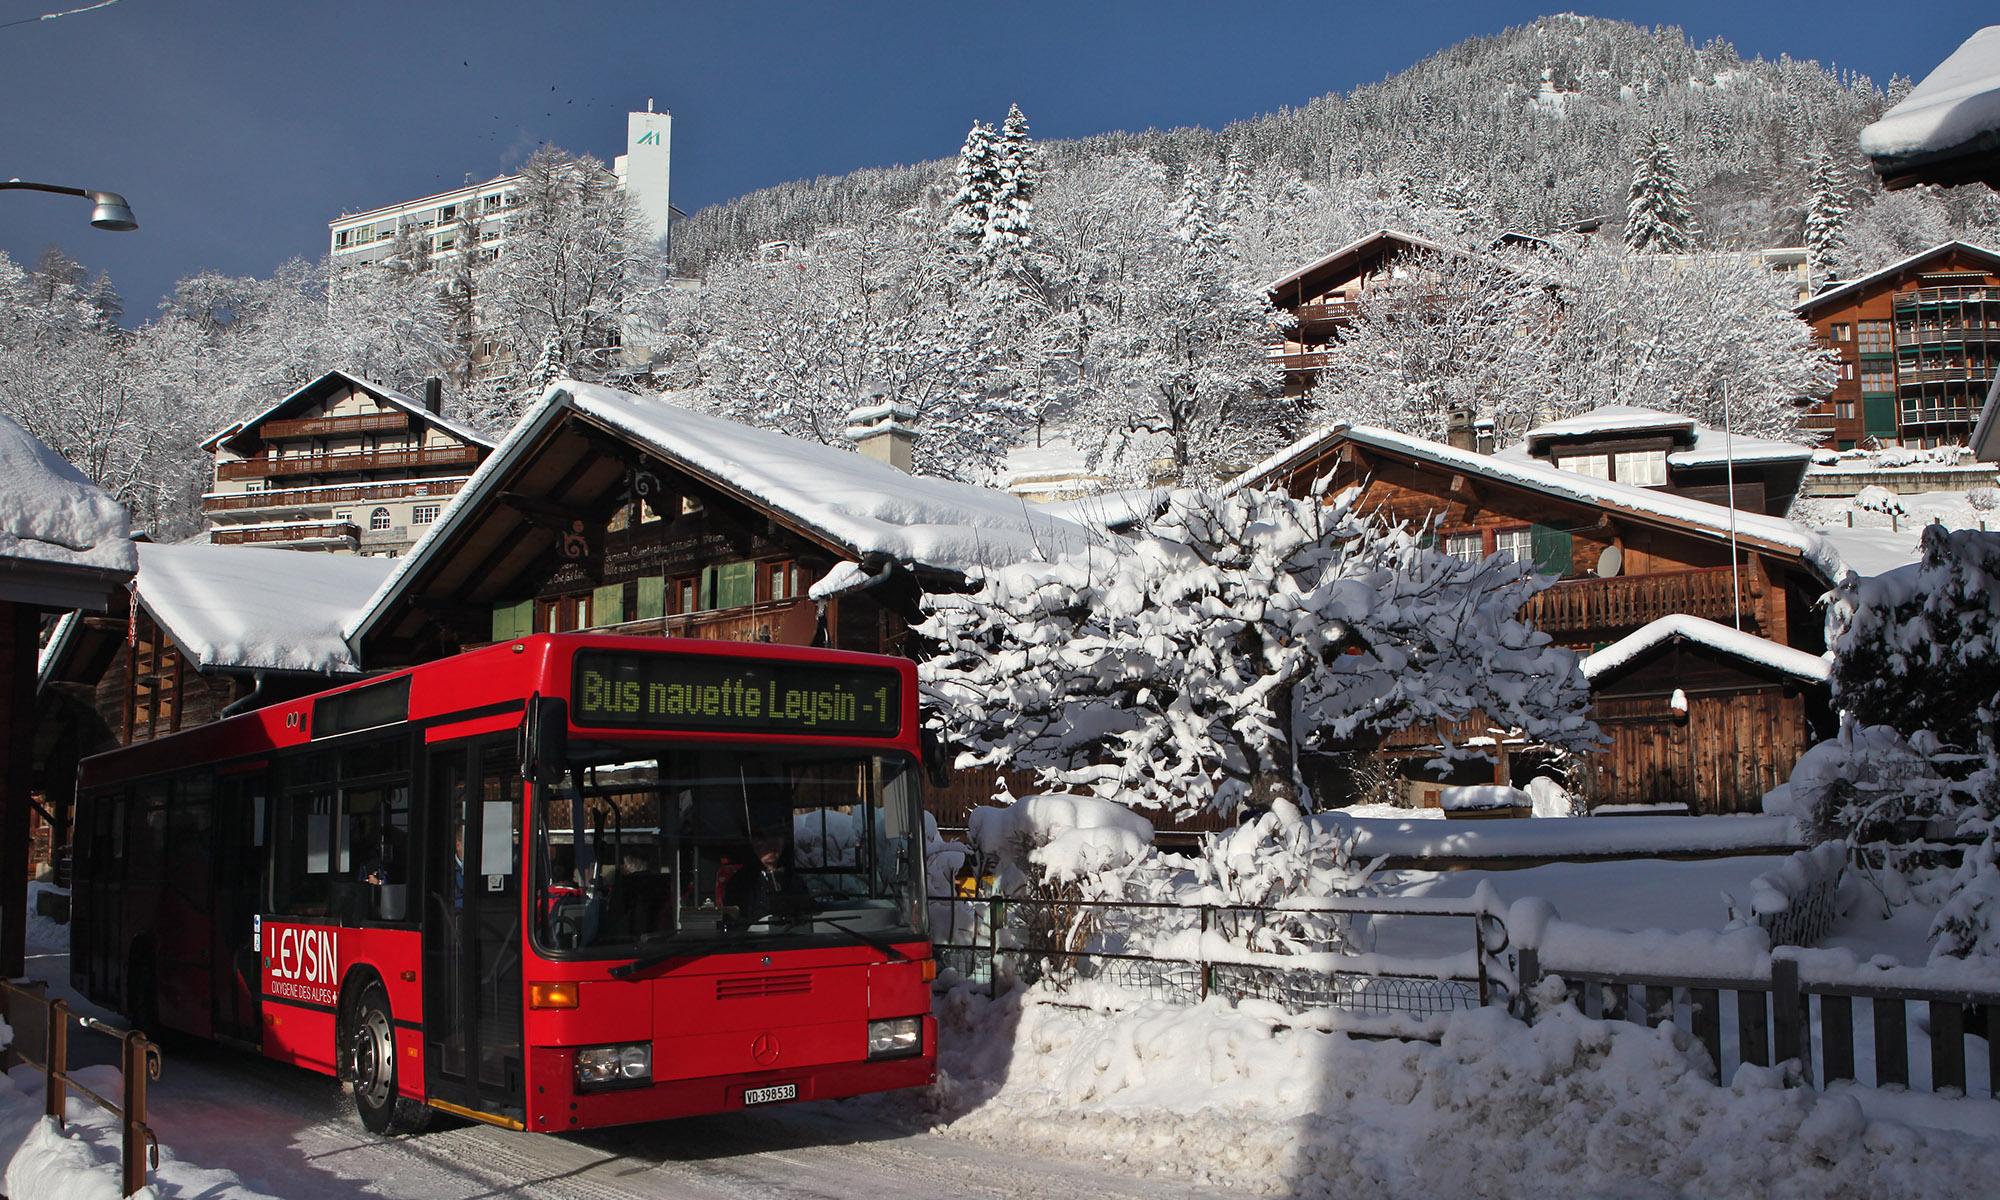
(240,814)
(472,928)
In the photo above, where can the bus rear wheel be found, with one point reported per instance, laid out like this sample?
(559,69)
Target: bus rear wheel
(371,1068)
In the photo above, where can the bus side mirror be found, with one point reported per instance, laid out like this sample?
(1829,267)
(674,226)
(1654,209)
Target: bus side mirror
(937,759)
(544,739)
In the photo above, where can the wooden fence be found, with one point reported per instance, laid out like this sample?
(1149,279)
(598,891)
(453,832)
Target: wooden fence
(41,1040)
(1781,1017)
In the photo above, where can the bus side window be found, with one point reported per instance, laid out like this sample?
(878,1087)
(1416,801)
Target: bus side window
(148,842)
(305,836)
(189,824)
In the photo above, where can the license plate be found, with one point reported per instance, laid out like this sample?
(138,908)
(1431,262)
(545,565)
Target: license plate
(766,1095)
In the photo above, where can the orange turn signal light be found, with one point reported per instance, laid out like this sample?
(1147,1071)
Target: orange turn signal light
(929,969)
(552,995)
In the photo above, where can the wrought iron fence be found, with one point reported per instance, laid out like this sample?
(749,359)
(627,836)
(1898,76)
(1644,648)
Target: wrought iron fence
(1185,954)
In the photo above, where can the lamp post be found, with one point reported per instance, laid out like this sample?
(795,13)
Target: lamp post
(108,211)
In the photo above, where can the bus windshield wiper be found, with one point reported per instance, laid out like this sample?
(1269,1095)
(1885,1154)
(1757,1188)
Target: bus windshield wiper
(672,951)
(882,944)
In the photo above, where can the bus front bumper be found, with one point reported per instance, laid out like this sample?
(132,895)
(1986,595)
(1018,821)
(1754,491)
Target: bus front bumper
(555,1105)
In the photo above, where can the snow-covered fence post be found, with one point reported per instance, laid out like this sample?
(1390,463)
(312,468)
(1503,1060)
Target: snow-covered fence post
(1790,1027)
(1201,956)
(1528,966)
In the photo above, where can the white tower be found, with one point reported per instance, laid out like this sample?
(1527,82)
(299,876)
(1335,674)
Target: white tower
(646,166)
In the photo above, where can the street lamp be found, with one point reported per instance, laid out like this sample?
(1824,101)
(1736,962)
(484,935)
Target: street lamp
(108,211)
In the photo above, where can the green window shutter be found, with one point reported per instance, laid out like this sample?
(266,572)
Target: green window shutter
(736,585)
(607,604)
(513,620)
(1427,540)
(707,597)
(652,598)
(1552,551)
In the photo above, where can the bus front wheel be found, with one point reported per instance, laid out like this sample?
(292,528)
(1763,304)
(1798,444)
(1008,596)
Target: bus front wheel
(371,1068)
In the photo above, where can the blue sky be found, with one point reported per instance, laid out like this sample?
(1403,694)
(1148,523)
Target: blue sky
(238,128)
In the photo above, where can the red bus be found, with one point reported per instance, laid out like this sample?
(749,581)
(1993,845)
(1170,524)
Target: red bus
(556,883)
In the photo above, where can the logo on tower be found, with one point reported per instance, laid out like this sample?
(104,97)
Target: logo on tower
(650,138)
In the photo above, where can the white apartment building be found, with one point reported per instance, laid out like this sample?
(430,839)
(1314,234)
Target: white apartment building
(480,210)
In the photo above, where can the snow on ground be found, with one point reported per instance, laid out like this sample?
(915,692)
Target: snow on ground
(1414,837)
(1568,1106)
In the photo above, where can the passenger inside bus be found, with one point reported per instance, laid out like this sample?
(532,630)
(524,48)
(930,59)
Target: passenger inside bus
(766,886)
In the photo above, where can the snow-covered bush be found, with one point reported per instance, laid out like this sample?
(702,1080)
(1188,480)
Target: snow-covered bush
(1182,669)
(1876,498)
(1282,856)
(1983,499)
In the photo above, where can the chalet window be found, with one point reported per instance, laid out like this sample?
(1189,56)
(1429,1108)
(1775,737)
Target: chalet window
(650,598)
(728,585)
(448,212)
(1597,466)
(1515,545)
(686,593)
(1553,550)
(1844,409)
(1875,338)
(780,581)
(424,514)
(379,519)
(346,515)
(340,239)
(1842,331)
(1641,468)
(1878,376)
(1465,547)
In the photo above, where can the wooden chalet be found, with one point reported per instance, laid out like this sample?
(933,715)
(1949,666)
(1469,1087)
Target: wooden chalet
(341,465)
(1918,344)
(610,511)
(1627,557)
(1323,297)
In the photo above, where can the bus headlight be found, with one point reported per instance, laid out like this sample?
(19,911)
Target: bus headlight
(613,1066)
(899,1037)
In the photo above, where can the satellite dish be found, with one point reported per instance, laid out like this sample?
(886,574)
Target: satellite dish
(1610,562)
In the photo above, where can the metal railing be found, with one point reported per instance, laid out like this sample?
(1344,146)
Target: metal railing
(1186,954)
(41,1028)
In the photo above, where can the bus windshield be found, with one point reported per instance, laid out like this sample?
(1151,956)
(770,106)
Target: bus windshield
(640,846)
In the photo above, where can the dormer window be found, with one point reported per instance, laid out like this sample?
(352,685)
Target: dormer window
(1640,468)
(1597,466)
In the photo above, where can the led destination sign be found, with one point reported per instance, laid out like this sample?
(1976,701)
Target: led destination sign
(659,691)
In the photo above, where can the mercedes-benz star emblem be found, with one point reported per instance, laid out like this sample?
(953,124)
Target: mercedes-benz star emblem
(764,1049)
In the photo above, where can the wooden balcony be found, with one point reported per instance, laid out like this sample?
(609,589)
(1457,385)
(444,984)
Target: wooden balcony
(303,427)
(323,531)
(1620,605)
(341,464)
(1296,360)
(1333,310)
(786,621)
(308,497)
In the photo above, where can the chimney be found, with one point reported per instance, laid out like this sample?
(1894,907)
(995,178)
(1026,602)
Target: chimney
(1484,438)
(883,430)
(434,394)
(1458,429)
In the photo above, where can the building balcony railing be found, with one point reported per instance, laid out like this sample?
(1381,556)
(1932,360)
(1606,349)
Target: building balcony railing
(374,422)
(1956,332)
(1946,295)
(309,497)
(1981,375)
(324,531)
(1295,360)
(767,621)
(1626,602)
(336,464)
(1933,415)
(1332,310)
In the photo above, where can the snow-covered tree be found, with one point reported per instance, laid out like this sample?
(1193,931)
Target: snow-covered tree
(1826,216)
(1658,217)
(1011,220)
(970,215)
(1186,668)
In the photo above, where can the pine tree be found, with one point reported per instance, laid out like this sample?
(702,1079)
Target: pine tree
(1826,218)
(978,186)
(1194,223)
(1658,219)
(1010,222)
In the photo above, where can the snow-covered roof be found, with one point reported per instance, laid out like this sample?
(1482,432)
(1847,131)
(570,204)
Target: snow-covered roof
(1840,292)
(1957,103)
(1872,552)
(866,507)
(52,515)
(1713,448)
(1522,471)
(1391,234)
(1609,418)
(335,377)
(245,608)
(1108,510)
(1749,647)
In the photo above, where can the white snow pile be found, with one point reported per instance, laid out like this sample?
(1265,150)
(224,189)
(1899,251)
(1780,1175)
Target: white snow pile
(1567,1106)
(242,607)
(80,1161)
(1794,879)
(1548,798)
(1477,797)
(51,513)
(1058,838)
(1557,837)
(1955,103)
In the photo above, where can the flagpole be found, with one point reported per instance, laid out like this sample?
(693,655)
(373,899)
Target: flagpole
(1729,469)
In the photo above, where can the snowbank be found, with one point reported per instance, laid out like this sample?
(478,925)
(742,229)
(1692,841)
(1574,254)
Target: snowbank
(1482,796)
(1558,836)
(51,513)
(1568,1106)
(1066,836)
